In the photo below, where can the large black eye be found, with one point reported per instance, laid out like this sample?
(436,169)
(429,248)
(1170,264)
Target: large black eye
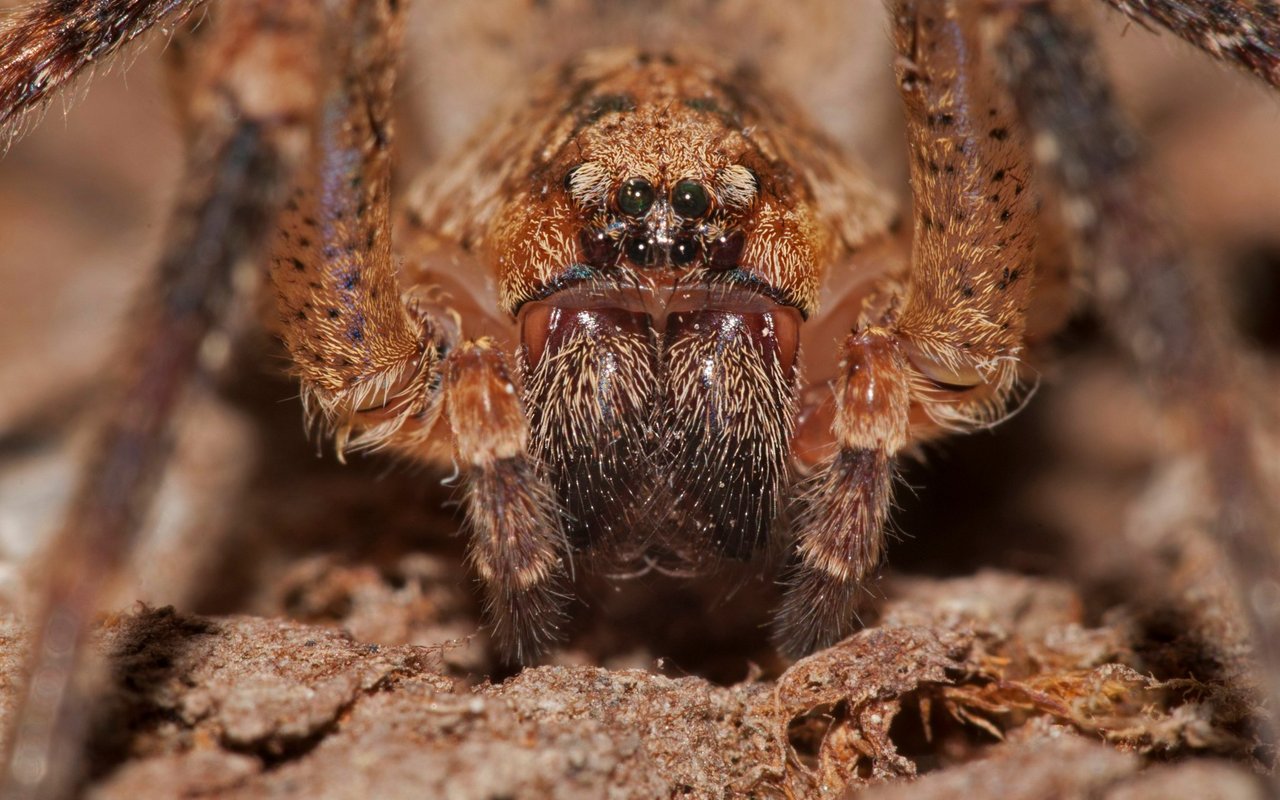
(635,196)
(689,199)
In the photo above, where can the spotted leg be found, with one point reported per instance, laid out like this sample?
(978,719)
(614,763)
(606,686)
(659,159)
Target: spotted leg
(945,354)
(380,369)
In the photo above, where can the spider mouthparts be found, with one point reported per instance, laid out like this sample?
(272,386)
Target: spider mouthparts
(655,296)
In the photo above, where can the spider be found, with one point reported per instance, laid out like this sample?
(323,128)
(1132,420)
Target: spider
(597,313)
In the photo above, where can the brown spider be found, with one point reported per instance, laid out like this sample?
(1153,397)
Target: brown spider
(598,311)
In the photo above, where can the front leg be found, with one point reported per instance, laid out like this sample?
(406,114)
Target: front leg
(947,355)
(365,357)
(379,370)
(846,503)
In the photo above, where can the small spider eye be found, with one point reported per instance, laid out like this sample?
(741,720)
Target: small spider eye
(684,250)
(598,249)
(640,251)
(726,250)
(635,196)
(689,199)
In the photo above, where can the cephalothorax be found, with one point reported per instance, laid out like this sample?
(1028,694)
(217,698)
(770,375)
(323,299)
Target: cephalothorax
(650,312)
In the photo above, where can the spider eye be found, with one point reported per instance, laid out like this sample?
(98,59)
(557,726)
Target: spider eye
(689,199)
(635,196)
(726,250)
(684,250)
(598,249)
(640,251)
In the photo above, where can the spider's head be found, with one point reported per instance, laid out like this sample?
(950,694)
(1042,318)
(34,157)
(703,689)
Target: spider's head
(656,172)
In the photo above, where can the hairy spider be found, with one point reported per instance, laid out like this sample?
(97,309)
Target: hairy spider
(597,311)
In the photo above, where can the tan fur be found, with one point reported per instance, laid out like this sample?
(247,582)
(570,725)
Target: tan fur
(516,546)
(483,405)
(356,345)
(974,245)
(505,197)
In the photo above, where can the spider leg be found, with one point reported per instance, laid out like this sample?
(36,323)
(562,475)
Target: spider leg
(517,545)
(1245,33)
(379,368)
(253,105)
(845,506)
(46,45)
(1147,289)
(365,356)
(948,350)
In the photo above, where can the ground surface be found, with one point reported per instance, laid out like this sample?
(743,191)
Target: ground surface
(1055,621)
(257,707)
